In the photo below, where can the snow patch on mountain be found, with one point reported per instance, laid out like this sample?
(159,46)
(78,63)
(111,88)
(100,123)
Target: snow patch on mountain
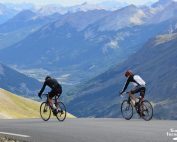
(113,44)
(85,7)
(51,9)
(165,38)
(137,18)
(126,17)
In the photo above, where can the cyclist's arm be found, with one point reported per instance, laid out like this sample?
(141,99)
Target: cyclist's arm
(126,85)
(43,88)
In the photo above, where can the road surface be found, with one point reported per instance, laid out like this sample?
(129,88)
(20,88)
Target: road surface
(90,130)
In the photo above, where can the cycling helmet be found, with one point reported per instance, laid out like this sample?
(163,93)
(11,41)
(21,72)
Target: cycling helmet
(47,77)
(128,73)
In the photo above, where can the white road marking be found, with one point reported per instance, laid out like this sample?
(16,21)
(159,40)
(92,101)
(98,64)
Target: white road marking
(13,134)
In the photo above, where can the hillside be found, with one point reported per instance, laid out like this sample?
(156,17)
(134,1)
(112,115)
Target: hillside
(62,50)
(21,25)
(13,106)
(155,62)
(18,83)
(67,45)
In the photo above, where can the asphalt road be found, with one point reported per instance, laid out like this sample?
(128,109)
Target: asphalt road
(90,130)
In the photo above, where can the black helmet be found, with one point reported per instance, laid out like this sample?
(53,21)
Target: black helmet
(47,77)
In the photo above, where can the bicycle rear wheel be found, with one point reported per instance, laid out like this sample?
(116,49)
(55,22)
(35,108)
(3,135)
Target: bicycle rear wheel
(62,112)
(45,111)
(126,110)
(146,110)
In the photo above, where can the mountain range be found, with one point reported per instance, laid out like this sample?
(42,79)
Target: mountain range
(83,7)
(86,44)
(98,38)
(155,63)
(21,25)
(50,9)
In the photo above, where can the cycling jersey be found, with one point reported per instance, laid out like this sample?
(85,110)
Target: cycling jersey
(53,84)
(136,80)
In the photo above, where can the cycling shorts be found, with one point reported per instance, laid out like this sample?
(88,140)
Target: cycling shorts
(139,89)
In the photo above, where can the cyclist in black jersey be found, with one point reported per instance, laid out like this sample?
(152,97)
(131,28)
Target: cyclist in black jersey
(56,90)
(138,82)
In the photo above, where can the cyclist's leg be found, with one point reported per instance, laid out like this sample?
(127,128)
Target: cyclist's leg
(57,92)
(134,91)
(142,93)
(53,105)
(132,96)
(57,99)
(51,95)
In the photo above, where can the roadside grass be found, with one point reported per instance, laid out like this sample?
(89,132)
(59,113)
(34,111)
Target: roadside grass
(17,107)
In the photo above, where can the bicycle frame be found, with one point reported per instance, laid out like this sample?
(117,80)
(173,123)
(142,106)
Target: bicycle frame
(130,98)
(55,100)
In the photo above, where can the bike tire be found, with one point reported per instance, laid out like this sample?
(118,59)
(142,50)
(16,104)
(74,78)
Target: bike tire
(61,116)
(44,109)
(146,109)
(126,108)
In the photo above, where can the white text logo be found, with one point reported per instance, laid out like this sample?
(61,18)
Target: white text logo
(172,133)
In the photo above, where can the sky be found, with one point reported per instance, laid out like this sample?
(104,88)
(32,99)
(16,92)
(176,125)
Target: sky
(75,2)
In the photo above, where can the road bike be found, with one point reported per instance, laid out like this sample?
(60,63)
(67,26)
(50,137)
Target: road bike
(46,109)
(143,108)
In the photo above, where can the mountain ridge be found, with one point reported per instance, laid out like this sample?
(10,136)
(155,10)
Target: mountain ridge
(18,83)
(99,97)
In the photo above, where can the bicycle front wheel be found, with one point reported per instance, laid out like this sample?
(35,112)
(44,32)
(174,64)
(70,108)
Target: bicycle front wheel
(45,111)
(61,112)
(146,110)
(126,110)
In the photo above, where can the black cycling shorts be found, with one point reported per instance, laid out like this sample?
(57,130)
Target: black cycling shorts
(55,92)
(138,89)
